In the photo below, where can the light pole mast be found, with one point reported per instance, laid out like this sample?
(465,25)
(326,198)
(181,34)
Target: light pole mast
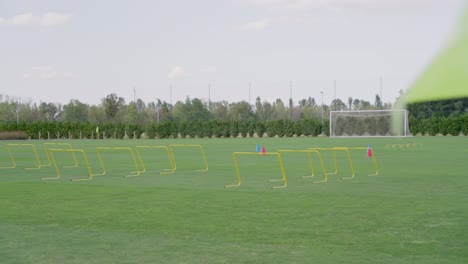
(322,111)
(157,111)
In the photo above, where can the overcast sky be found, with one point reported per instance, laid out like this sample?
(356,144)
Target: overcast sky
(56,50)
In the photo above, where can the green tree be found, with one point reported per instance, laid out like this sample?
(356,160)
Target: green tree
(75,111)
(378,102)
(112,105)
(240,111)
(220,110)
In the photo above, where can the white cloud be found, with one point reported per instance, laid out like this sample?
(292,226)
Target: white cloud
(26,19)
(297,12)
(254,25)
(41,68)
(46,73)
(303,5)
(209,69)
(55,75)
(27,75)
(50,19)
(176,72)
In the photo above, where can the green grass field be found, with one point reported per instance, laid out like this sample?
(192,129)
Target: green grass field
(415,211)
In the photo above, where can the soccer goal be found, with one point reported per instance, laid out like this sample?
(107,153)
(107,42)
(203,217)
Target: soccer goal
(369,123)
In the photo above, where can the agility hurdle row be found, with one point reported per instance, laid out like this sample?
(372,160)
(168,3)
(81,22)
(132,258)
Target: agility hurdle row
(309,152)
(138,162)
(36,155)
(140,167)
(350,161)
(409,145)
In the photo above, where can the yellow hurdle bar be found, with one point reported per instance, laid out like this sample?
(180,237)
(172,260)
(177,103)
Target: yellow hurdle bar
(132,174)
(8,147)
(52,158)
(53,144)
(234,155)
(374,160)
(335,161)
(188,146)
(12,159)
(309,151)
(169,155)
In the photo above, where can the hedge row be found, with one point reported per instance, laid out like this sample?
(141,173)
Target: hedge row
(215,128)
(168,129)
(439,125)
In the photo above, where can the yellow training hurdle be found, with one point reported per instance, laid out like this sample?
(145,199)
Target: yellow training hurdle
(98,153)
(171,147)
(169,155)
(309,151)
(374,160)
(48,155)
(53,160)
(335,160)
(12,158)
(234,157)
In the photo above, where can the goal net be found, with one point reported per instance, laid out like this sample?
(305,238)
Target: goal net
(369,123)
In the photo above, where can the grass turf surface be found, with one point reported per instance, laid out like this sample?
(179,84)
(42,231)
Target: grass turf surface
(414,211)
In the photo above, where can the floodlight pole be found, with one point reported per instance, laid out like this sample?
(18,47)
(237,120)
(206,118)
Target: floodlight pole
(157,112)
(322,111)
(17,115)
(249,94)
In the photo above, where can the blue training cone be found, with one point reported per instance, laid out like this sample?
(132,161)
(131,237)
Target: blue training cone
(258,149)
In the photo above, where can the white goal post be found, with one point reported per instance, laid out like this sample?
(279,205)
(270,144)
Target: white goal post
(369,123)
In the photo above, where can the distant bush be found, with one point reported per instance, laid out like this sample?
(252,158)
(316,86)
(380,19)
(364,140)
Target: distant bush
(13,135)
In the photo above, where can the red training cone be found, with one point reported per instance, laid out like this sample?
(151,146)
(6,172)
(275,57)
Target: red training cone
(263,150)
(369,151)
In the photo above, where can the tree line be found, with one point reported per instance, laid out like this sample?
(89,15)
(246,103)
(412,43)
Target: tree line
(114,109)
(196,117)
